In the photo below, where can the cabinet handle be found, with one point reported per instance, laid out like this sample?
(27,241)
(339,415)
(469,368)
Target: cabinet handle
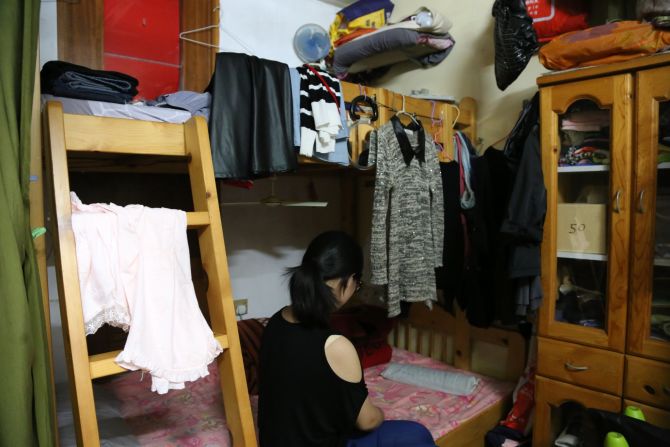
(617,201)
(640,202)
(570,367)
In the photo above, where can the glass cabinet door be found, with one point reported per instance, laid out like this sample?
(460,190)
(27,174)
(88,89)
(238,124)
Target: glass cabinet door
(586,157)
(649,317)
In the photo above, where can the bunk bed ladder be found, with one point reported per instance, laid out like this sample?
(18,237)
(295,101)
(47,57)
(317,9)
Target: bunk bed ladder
(80,133)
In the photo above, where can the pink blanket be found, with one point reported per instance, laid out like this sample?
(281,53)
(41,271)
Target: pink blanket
(194,416)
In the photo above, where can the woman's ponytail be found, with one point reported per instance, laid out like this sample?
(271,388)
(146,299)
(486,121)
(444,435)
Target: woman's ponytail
(331,255)
(312,300)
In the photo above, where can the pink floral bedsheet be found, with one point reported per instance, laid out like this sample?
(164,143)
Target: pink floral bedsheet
(439,412)
(193,417)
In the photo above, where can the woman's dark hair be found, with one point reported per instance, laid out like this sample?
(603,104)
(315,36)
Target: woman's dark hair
(331,255)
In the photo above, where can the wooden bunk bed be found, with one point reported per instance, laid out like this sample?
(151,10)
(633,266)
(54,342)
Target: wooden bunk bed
(435,333)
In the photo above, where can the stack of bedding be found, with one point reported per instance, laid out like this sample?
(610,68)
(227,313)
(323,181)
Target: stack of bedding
(422,37)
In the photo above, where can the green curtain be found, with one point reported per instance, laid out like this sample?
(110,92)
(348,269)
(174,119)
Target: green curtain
(25,388)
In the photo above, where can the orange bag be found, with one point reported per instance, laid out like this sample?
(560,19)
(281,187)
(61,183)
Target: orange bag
(605,44)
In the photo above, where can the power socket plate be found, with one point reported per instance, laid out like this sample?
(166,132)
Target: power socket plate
(241,306)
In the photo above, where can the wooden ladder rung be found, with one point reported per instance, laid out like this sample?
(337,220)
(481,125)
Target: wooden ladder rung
(103,365)
(197,219)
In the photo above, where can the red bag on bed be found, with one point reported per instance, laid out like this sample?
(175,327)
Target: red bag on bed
(367,327)
(552,18)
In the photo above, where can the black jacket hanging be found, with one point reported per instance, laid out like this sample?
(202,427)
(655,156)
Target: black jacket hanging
(251,122)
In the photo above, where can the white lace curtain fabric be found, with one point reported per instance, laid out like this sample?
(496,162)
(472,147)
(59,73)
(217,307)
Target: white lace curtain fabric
(135,273)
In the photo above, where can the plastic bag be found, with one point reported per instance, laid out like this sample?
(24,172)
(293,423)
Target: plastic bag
(515,40)
(552,18)
(604,44)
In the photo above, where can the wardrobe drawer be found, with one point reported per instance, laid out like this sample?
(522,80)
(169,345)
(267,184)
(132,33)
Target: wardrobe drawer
(655,416)
(581,365)
(647,381)
(551,394)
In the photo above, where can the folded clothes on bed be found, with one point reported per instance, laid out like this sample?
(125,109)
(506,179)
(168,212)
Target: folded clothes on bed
(434,379)
(75,81)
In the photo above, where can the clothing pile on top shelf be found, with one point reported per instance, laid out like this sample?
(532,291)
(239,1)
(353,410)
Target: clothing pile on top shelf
(422,37)
(358,19)
(407,215)
(586,135)
(605,44)
(75,81)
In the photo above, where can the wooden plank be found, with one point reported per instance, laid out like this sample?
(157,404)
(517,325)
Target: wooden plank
(80,32)
(219,293)
(103,365)
(621,180)
(604,70)
(81,389)
(198,61)
(197,219)
(36,188)
(85,133)
(652,87)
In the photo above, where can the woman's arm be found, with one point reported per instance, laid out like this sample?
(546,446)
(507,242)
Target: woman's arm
(343,360)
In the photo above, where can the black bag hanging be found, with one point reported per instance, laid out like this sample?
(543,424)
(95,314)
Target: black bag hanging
(515,40)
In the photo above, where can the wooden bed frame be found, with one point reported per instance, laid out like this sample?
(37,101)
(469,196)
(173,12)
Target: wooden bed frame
(446,119)
(450,339)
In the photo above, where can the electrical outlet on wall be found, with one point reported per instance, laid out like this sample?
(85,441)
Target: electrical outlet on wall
(241,307)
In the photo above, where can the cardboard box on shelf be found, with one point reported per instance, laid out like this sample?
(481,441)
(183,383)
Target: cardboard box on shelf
(582,228)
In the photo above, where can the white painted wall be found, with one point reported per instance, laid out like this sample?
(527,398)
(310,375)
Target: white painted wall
(468,71)
(265,28)
(261,242)
(48,32)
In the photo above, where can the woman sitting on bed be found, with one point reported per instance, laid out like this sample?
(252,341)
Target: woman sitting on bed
(312,391)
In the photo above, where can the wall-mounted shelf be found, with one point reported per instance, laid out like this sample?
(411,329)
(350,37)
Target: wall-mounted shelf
(581,256)
(588,168)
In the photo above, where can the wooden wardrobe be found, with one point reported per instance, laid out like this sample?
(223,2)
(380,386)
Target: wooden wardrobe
(606,345)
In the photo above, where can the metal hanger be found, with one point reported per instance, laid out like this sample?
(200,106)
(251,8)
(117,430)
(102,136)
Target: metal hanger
(183,34)
(404,112)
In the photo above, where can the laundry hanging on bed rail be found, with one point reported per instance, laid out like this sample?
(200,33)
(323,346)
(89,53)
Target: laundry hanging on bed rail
(250,126)
(134,273)
(407,216)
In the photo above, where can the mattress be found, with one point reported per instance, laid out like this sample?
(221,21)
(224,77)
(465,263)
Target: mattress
(194,415)
(113,110)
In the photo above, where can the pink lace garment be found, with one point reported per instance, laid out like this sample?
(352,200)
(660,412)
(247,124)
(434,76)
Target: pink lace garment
(134,273)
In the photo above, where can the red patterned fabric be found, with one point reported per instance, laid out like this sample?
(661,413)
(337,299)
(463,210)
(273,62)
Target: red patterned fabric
(251,333)
(367,327)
